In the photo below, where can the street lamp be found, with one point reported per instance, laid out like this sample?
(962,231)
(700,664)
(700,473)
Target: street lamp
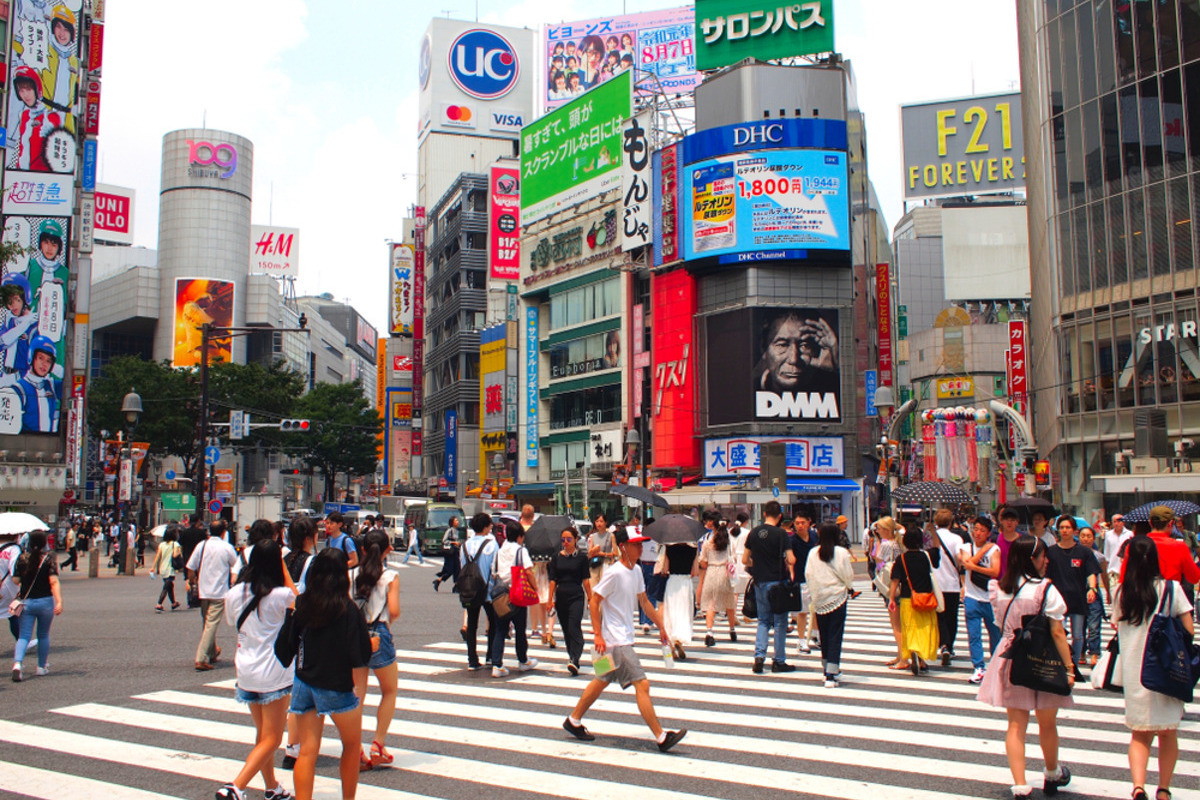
(131,408)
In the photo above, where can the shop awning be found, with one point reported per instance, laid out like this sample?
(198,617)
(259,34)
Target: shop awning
(532,488)
(823,485)
(1161,482)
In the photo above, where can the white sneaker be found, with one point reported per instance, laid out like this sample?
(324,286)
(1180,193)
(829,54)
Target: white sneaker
(831,683)
(525,666)
(804,648)
(43,670)
(499,672)
(977,676)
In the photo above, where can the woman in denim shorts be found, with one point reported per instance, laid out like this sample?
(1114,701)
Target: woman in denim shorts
(329,637)
(377,592)
(256,607)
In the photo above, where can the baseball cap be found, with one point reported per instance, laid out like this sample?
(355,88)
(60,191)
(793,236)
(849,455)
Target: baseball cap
(1161,514)
(621,534)
(842,518)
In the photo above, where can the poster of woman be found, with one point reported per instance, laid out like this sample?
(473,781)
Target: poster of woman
(200,302)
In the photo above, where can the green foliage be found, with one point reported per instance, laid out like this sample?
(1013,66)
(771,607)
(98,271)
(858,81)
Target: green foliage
(266,393)
(343,433)
(170,397)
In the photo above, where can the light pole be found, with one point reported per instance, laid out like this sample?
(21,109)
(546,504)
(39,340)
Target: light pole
(131,408)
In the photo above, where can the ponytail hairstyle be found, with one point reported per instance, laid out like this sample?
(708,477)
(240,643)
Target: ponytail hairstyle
(33,556)
(300,531)
(720,537)
(375,544)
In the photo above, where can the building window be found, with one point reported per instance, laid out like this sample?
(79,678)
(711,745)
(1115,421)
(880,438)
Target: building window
(585,304)
(586,408)
(581,356)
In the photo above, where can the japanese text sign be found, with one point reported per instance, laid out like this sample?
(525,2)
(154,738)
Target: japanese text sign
(728,31)
(806,456)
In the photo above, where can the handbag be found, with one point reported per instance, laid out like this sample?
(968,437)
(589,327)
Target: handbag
(1036,662)
(750,601)
(522,589)
(1171,660)
(286,639)
(883,579)
(18,605)
(502,605)
(177,558)
(978,578)
(1106,675)
(922,601)
(785,596)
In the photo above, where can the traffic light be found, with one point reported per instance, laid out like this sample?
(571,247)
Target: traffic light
(294,425)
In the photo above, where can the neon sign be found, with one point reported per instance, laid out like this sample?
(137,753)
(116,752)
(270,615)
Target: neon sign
(205,154)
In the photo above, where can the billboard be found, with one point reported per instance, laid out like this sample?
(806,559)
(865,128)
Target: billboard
(199,301)
(963,147)
(574,152)
(114,214)
(274,251)
(985,252)
(673,379)
(43,86)
(504,222)
(401,290)
(636,201)
(33,293)
(38,194)
(767,364)
(475,79)
(773,204)
(666,206)
(492,344)
(580,55)
(728,31)
(883,322)
(806,456)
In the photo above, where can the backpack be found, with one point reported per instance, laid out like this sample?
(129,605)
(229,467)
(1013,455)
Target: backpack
(295,562)
(471,584)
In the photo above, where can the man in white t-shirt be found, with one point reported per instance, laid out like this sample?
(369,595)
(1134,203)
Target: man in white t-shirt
(612,603)
(947,576)
(981,559)
(210,568)
(1114,539)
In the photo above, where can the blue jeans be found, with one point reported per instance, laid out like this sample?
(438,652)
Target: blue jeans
(41,611)
(1077,623)
(979,613)
(1095,619)
(414,549)
(767,620)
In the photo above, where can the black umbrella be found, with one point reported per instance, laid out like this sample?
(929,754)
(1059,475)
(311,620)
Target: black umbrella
(639,493)
(931,492)
(1026,505)
(1142,513)
(674,529)
(544,537)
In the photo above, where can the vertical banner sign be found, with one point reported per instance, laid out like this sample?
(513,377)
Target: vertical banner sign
(883,297)
(91,123)
(504,227)
(126,490)
(418,379)
(639,349)
(871,383)
(88,174)
(1018,366)
(403,261)
(666,218)
(636,201)
(450,469)
(96,49)
(531,386)
(87,223)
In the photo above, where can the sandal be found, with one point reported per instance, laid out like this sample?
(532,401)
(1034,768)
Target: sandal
(1139,793)
(1162,794)
(379,755)
(900,665)
(364,763)
(891,662)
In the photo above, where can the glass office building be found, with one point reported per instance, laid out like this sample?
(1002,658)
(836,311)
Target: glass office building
(1112,128)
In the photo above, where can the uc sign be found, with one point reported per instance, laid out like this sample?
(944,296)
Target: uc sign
(484,64)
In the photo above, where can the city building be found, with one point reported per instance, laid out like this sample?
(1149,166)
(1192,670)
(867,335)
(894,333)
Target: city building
(1113,151)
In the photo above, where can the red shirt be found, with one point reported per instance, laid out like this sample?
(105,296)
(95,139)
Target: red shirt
(1174,559)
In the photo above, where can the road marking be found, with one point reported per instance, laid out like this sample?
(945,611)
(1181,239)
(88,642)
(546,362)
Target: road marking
(47,785)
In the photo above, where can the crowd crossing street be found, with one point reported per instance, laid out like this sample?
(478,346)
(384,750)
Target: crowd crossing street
(457,733)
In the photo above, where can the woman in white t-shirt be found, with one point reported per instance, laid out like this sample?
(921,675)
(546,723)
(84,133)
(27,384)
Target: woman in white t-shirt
(376,589)
(512,554)
(256,607)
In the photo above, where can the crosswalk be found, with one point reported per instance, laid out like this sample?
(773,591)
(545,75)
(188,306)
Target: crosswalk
(458,734)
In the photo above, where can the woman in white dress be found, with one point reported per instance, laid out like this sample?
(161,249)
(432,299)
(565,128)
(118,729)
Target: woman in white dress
(678,562)
(1147,714)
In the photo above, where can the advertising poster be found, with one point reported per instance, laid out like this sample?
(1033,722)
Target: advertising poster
(574,152)
(274,251)
(636,200)
(728,31)
(38,194)
(33,309)
(43,86)
(400,455)
(673,379)
(492,371)
(403,260)
(114,214)
(666,206)
(774,204)
(531,387)
(504,222)
(581,55)
(806,456)
(774,364)
(883,316)
(199,301)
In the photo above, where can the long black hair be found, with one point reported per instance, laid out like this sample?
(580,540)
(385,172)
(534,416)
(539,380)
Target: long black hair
(827,537)
(1138,597)
(33,556)
(264,572)
(1020,562)
(301,529)
(370,568)
(326,589)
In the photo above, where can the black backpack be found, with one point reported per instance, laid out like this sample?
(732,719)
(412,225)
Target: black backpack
(295,562)
(471,584)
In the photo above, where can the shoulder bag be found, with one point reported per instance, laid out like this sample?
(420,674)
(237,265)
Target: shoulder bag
(17,606)
(921,601)
(522,589)
(1171,661)
(978,578)
(959,567)
(501,594)
(1036,662)
(785,596)
(1106,675)
(750,601)
(287,639)
(177,557)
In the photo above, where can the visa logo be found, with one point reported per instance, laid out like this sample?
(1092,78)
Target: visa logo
(507,120)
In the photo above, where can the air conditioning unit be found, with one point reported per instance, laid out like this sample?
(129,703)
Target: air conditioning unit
(1144,466)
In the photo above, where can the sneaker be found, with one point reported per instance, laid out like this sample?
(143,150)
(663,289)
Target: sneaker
(572,668)
(43,670)
(677,649)
(710,640)
(804,648)
(977,676)
(525,666)
(17,677)
(230,792)
(578,731)
(499,672)
(474,666)
(758,666)
(946,657)
(914,664)
(831,683)
(203,666)
(673,738)
(278,793)
(732,635)
(158,609)
(782,666)
(1050,786)
(290,753)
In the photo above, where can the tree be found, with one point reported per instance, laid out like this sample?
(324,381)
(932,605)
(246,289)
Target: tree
(170,397)
(343,433)
(268,394)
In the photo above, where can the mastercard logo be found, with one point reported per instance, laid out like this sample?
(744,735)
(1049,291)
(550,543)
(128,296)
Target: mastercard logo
(458,113)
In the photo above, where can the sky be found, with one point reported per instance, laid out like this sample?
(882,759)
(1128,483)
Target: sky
(327,91)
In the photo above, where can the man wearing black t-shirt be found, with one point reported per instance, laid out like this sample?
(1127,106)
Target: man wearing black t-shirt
(801,540)
(1074,571)
(766,557)
(188,541)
